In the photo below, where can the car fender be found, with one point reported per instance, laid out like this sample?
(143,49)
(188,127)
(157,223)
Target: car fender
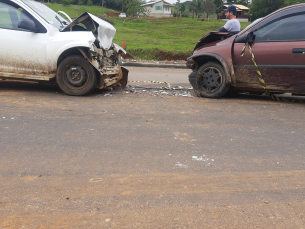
(72,45)
(66,40)
(220,59)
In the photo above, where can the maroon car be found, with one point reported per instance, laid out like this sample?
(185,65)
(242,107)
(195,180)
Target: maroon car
(278,44)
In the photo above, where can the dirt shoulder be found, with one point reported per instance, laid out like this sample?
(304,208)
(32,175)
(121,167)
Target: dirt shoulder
(155,200)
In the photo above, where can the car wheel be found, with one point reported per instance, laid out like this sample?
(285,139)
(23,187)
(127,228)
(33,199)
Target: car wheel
(211,81)
(76,76)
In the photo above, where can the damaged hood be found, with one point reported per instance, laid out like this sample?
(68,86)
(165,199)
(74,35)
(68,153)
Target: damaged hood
(212,37)
(103,31)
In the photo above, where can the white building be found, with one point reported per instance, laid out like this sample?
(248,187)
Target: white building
(158,9)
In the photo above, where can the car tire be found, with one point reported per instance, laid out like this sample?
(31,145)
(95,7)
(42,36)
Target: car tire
(211,81)
(76,76)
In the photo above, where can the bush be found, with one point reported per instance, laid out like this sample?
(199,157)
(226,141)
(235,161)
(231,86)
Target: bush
(65,2)
(89,3)
(82,2)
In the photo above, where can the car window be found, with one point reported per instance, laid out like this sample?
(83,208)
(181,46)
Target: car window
(289,28)
(11,16)
(47,14)
(251,25)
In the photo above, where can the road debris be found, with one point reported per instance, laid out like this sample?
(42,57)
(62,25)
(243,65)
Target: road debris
(155,91)
(181,165)
(109,94)
(96,179)
(203,158)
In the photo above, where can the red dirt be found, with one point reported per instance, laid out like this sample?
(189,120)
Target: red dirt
(162,55)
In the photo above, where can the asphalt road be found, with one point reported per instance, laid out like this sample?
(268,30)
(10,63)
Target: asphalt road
(149,158)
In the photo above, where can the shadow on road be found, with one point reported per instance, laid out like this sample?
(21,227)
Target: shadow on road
(248,96)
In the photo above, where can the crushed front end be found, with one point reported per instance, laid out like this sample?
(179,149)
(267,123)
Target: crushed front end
(211,39)
(103,54)
(107,63)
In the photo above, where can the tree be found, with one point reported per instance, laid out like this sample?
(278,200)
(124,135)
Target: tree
(219,6)
(65,2)
(192,8)
(134,7)
(181,7)
(113,4)
(293,2)
(243,2)
(195,7)
(208,7)
(231,2)
(261,8)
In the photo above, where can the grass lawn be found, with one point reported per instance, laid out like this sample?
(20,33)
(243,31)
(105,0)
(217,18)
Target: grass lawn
(75,10)
(145,36)
(164,34)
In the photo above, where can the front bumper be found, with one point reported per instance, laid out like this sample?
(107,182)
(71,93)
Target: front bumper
(193,78)
(107,80)
(190,63)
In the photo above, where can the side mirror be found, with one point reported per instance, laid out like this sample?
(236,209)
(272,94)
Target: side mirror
(249,37)
(28,25)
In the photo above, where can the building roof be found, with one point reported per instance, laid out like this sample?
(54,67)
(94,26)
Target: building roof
(154,2)
(239,7)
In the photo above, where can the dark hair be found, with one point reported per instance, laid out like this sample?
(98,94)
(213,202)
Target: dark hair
(234,12)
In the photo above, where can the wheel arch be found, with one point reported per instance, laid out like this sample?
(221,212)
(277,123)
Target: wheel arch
(69,52)
(206,57)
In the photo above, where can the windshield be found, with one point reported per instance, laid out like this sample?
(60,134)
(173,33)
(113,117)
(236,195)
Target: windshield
(252,24)
(47,14)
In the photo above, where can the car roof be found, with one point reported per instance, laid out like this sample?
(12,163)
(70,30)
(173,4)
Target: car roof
(287,7)
(268,17)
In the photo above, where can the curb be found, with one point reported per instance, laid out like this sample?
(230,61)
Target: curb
(135,64)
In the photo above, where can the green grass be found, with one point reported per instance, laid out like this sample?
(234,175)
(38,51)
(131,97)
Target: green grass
(75,10)
(145,36)
(164,34)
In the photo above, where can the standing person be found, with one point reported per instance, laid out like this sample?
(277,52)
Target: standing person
(232,25)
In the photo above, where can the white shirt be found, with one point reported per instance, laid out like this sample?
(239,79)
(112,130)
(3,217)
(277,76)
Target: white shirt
(232,25)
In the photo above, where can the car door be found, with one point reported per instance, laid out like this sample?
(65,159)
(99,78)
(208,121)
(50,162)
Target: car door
(279,50)
(22,52)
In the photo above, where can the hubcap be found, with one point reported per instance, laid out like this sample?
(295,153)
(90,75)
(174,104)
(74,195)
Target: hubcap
(76,76)
(210,79)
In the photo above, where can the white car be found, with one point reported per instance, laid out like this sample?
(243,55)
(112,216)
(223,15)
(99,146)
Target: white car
(122,15)
(36,43)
